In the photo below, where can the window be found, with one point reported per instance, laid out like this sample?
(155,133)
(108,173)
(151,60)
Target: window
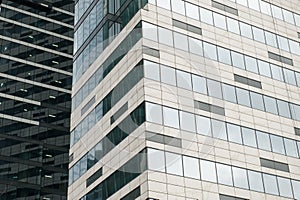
(178,6)
(264,68)
(296,186)
(174,164)
(234,133)
(255,181)
(220,21)
(150,31)
(254,4)
(184,80)
(265,8)
(180,41)
(238,60)
(263,141)
(243,97)
(164,4)
(270,104)
(206,16)
(168,75)
(229,93)
(249,137)
(283,43)
(210,51)
(156,160)
(233,25)
(277,12)
(152,70)
(214,89)
(203,125)
(271,39)
(289,76)
(240,178)
(294,46)
(257,101)
(208,171)
(258,35)
(283,108)
(170,117)
(288,16)
(192,11)
(191,167)
(277,144)
(195,46)
(165,36)
(224,174)
(291,147)
(246,30)
(270,183)
(187,121)
(251,64)
(199,84)
(224,55)
(219,129)
(154,113)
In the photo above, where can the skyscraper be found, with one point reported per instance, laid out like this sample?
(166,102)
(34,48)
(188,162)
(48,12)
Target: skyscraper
(189,99)
(36,56)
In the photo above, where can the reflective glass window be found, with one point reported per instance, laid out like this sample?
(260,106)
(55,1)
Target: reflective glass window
(246,30)
(150,31)
(187,121)
(165,36)
(191,167)
(174,164)
(251,64)
(296,186)
(164,4)
(263,141)
(206,16)
(270,104)
(208,171)
(220,21)
(224,174)
(210,51)
(170,117)
(294,47)
(240,178)
(277,144)
(199,84)
(284,109)
(168,75)
(214,88)
(265,8)
(180,41)
(233,25)
(229,93)
(152,70)
(238,60)
(264,68)
(277,12)
(271,39)
(288,16)
(219,129)
(258,34)
(289,76)
(192,11)
(249,137)
(283,43)
(257,101)
(295,110)
(178,6)
(184,80)
(234,133)
(243,97)
(270,184)
(254,4)
(156,160)
(195,46)
(203,125)
(255,181)
(297,19)
(154,113)
(224,55)
(298,78)
(291,148)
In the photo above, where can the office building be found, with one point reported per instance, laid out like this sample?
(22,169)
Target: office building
(189,99)
(36,57)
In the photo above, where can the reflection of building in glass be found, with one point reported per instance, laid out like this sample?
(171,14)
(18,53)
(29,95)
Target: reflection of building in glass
(36,47)
(187,99)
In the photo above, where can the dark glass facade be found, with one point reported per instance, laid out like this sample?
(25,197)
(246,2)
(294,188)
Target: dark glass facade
(36,48)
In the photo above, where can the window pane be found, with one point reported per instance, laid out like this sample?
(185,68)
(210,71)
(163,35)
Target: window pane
(295,47)
(208,171)
(199,84)
(154,113)
(224,55)
(263,141)
(184,80)
(224,174)
(156,160)
(243,97)
(192,11)
(174,164)
(203,125)
(234,133)
(270,184)
(288,16)
(296,186)
(257,101)
(229,93)
(170,117)
(152,70)
(265,8)
(219,129)
(271,39)
(180,41)
(191,167)
(195,46)
(206,16)
(270,104)
(277,144)
(264,68)
(164,4)
(295,110)
(214,89)
(283,43)
(240,178)
(255,181)
(210,51)
(254,4)
(178,6)
(219,21)
(238,60)
(277,12)
(249,137)
(187,121)
(233,25)
(289,76)
(283,108)
(246,30)
(150,31)
(168,75)
(251,64)
(290,147)
(165,36)
(259,35)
